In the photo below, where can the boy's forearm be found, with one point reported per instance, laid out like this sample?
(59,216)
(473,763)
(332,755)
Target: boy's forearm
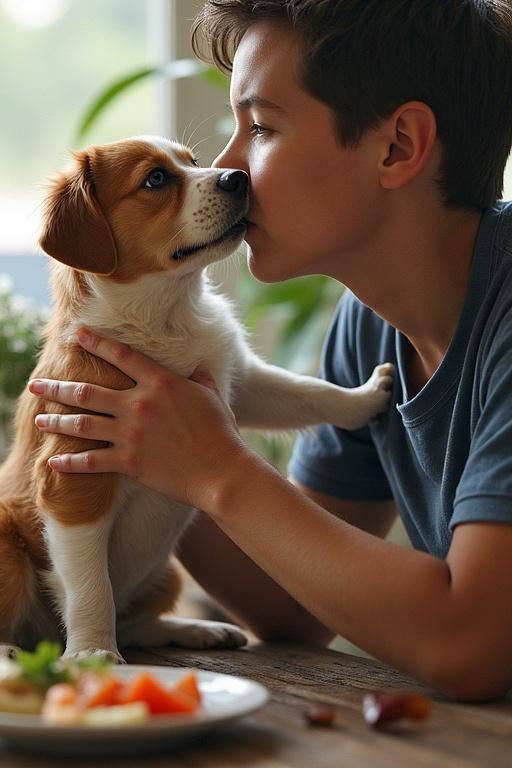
(243,590)
(395,603)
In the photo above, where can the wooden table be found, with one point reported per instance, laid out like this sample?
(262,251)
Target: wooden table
(454,735)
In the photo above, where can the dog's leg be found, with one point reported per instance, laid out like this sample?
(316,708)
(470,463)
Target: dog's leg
(142,623)
(80,557)
(185,633)
(268,397)
(78,512)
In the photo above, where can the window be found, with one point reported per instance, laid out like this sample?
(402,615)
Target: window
(56,55)
(507,191)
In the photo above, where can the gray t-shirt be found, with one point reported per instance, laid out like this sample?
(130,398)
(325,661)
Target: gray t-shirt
(444,455)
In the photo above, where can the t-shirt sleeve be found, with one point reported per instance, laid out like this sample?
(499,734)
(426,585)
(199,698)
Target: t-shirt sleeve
(338,462)
(484,493)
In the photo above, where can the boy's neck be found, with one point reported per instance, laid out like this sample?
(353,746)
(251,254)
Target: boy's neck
(421,282)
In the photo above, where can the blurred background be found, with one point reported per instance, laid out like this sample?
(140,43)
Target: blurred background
(74,73)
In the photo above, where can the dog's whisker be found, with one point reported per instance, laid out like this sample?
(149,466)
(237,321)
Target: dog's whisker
(199,142)
(178,233)
(185,131)
(198,127)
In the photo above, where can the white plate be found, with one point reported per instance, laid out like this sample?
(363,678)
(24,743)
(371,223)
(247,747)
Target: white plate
(225,698)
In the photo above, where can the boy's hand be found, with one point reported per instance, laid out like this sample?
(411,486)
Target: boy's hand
(173,434)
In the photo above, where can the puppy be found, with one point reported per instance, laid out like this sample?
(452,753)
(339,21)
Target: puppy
(85,559)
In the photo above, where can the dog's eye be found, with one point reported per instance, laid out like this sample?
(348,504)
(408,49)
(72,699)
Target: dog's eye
(157,179)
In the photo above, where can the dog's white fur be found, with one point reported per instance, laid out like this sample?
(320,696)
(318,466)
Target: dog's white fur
(104,571)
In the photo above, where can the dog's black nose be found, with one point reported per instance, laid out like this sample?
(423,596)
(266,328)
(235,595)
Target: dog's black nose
(234,182)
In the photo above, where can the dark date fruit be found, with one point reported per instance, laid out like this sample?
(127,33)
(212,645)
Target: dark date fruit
(383,707)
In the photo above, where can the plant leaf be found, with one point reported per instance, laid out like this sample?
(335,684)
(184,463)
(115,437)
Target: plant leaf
(173,70)
(216,78)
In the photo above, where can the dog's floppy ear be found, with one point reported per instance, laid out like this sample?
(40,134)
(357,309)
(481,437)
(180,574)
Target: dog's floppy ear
(75,230)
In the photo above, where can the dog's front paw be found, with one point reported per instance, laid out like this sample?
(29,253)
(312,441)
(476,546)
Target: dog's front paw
(382,377)
(8,651)
(371,398)
(197,633)
(114,657)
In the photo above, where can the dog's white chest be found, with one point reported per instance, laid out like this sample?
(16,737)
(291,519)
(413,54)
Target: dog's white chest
(197,330)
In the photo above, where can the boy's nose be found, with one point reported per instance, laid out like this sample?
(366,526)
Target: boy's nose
(229,156)
(235,182)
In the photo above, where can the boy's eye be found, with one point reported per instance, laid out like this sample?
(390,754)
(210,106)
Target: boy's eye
(258,130)
(157,178)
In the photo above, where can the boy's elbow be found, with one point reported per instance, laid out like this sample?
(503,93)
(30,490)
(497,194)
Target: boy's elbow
(471,687)
(470,676)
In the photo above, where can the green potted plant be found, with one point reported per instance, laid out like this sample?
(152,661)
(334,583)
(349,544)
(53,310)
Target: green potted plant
(21,323)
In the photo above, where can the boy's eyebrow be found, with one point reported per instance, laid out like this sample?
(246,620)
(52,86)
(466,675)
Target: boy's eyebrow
(257,101)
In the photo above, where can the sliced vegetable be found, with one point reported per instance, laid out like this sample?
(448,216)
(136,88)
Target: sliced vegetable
(97,691)
(124,714)
(160,700)
(189,686)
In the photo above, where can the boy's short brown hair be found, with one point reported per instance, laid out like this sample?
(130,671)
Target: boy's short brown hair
(364,58)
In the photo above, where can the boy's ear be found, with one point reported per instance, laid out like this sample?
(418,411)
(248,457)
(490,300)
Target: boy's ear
(75,230)
(410,133)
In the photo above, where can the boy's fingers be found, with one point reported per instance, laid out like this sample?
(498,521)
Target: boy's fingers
(99,460)
(90,396)
(77,425)
(134,364)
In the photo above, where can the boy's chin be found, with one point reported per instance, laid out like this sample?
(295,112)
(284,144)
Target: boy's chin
(267,268)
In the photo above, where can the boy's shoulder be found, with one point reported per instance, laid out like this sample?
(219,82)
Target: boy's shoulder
(491,278)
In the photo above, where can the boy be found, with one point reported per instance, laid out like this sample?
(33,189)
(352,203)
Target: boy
(375,134)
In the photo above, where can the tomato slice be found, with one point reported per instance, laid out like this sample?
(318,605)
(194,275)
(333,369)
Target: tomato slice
(160,700)
(189,686)
(97,691)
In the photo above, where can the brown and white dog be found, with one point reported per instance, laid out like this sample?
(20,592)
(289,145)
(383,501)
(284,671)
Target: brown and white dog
(85,559)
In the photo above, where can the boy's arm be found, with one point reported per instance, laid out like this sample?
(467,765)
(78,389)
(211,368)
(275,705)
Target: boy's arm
(447,623)
(247,593)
